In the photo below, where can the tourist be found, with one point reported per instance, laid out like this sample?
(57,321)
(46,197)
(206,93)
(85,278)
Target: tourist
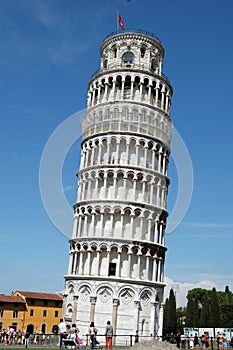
(62,331)
(196,341)
(108,335)
(26,339)
(136,337)
(92,332)
(206,340)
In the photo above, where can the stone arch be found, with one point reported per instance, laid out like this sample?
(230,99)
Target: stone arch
(126,295)
(124,263)
(125,113)
(129,193)
(69,310)
(127,224)
(70,288)
(117,227)
(127,87)
(145,296)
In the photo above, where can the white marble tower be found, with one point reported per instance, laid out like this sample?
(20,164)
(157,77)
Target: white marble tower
(117,249)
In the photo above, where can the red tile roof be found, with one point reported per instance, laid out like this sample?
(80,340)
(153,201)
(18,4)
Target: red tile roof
(39,295)
(11,299)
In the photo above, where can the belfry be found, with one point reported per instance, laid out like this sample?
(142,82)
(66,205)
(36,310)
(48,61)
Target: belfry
(117,249)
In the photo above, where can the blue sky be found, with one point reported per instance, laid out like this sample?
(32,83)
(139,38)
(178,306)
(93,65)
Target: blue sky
(48,51)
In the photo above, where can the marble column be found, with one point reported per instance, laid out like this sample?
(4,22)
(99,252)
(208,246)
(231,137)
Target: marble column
(136,315)
(64,304)
(153,317)
(114,317)
(92,308)
(160,328)
(75,308)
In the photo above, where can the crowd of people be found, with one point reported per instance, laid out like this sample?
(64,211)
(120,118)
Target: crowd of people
(12,337)
(71,333)
(203,342)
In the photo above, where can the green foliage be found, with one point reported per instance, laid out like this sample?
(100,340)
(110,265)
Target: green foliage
(165,317)
(205,312)
(169,315)
(215,320)
(192,312)
(205,308)
(226,311)
(180,313)
(209,308)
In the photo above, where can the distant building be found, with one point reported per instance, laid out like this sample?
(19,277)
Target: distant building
(32,311)
(12,312)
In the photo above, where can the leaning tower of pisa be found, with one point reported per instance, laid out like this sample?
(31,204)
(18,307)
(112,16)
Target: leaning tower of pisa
(117,250)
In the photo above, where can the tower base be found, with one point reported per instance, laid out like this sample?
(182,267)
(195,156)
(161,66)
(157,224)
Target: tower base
(130,306)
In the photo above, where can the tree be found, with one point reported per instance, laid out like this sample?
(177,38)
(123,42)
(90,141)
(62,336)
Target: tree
(181,316)
(172,319)
(205,313)
(215,320)
(169,314)
(165,317)
(226,315)
(192,312)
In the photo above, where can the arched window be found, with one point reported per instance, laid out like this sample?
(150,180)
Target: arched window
(143,51)
(128,58)
(114,50)
(135,114)
(107,114)
(154,64)
(115,113)
(125,113)
(143,117)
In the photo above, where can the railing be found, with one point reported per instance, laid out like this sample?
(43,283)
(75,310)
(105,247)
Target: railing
(123,66)
(133,31)
(120,340)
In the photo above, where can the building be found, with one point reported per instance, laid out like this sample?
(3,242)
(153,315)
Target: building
(117,250)
(32,311)
(12,312)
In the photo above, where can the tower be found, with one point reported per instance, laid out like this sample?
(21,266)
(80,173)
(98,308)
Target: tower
(117,249)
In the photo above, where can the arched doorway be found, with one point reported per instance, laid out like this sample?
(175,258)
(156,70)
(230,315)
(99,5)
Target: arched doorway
(43,328)
(55,329)
(30,328)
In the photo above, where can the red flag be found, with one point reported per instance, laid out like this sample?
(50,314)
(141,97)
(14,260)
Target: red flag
(121,22)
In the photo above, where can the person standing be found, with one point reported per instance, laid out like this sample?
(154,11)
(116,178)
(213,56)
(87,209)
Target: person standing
(62,331)
(136,337)
(108,335)
(196,341)
(26,339)
(206,340)
(92,332)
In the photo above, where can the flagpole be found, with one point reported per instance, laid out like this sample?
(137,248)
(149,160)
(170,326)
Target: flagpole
(117,26)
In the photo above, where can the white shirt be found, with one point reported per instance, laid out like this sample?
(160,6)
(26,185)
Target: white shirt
(62,327)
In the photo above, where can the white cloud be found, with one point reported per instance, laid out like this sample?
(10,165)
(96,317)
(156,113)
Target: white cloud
(181,289)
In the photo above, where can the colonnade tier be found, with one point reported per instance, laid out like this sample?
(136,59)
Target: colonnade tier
(125,150)
(133,118)
(119,222)
(122,186)
(115,261)
(151,90)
